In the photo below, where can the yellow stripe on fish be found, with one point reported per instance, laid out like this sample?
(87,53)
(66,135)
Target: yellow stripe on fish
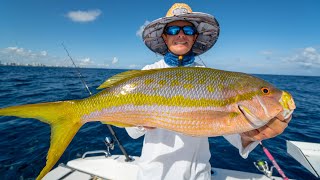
(189,100)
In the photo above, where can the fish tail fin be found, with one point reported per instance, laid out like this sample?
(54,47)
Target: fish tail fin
(63,119)
(61,136)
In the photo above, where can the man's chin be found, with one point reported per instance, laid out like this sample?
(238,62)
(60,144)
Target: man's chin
(180,50)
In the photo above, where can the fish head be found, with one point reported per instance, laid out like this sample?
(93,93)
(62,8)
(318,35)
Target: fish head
(266,103)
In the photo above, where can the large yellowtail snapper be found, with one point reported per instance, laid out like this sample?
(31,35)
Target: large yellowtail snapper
(190,100)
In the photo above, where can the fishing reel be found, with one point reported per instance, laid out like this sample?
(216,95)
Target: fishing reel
(110,144)
(263,167)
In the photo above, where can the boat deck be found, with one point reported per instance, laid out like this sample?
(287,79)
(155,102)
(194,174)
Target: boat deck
(114,167)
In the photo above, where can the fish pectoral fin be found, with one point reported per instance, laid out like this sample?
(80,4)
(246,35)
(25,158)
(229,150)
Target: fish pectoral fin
(118,124)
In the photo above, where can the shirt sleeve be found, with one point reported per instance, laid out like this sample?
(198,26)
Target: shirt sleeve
(146,67)
(135,132)
(235,140)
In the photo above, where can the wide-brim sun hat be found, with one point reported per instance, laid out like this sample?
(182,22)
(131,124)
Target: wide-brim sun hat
(206,25)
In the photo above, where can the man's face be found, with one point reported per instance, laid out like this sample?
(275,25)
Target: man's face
(179,44)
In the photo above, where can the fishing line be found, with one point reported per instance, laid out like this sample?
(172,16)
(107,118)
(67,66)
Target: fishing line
(77,69)
(87,88)
(202,61)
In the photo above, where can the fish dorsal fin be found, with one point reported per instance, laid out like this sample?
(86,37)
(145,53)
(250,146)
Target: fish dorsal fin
(119,77)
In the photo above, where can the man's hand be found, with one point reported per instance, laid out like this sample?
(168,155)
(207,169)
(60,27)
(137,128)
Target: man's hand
(270,130)
(148,127)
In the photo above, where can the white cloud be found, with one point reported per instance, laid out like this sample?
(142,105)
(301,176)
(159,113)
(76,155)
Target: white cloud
(84,16)
(307,57)
(44,53)
(85,62)
(17,51)
(140,30)
(24,56)
(115,60)
(21,52)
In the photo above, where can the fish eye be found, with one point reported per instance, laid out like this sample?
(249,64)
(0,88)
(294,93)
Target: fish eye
(265,90)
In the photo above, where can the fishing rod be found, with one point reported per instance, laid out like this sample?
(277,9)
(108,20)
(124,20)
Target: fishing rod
(87,88)
(274,162)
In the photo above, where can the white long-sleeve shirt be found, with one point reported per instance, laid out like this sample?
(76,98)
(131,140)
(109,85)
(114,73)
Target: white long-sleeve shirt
(173,156)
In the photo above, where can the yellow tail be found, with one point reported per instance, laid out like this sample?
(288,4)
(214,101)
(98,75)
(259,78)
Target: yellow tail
(63,119)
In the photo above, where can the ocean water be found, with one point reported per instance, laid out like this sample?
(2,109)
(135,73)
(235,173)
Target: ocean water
(24,142)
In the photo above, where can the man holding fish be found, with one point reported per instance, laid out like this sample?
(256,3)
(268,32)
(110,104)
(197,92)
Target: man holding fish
(179,37)
(181,106)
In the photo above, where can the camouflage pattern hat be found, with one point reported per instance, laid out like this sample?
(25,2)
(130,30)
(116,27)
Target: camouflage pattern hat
(207,27)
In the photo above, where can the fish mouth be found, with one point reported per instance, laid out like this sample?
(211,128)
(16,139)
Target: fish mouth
(287,104)
(253,120)
(285,114)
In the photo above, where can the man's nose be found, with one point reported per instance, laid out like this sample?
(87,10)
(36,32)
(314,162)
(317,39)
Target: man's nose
(181,33)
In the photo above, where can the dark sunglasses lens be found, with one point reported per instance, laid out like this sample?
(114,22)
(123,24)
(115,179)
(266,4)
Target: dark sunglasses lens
(172,30)
(189,30)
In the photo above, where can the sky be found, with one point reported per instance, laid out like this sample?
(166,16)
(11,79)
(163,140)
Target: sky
(261,37)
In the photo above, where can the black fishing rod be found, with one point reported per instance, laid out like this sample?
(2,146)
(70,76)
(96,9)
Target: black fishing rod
(87,88)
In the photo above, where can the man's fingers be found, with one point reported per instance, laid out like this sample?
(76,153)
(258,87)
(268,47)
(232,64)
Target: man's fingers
(270,130)
(148,127)
(276,127)
(249,135)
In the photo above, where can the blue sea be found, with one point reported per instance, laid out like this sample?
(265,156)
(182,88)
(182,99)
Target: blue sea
(24,142)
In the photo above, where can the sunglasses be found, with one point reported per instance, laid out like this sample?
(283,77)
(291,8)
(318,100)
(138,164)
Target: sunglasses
(174,30)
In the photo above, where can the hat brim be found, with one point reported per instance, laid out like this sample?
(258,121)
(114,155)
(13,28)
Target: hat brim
(207,27)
